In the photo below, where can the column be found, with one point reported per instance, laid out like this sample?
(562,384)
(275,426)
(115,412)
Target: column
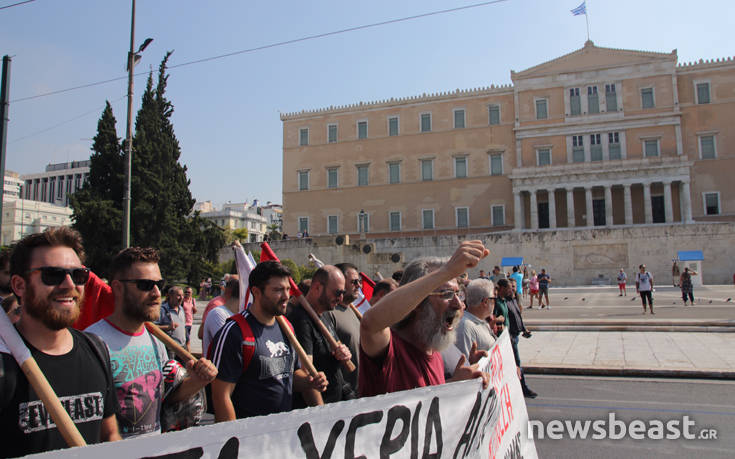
(608,206)
(686,202)
(588,200)
(552,209)
(648,210)
(668,205)
(534,211)
(570,207)
(518,223)
(628,204)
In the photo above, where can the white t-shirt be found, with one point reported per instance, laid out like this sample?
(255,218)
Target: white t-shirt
(644,281)
(216,318)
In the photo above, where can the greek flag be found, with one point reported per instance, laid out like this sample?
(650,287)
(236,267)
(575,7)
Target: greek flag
(581,9)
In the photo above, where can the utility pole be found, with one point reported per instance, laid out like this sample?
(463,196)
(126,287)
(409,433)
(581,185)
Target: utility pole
(4,118)
(129,138)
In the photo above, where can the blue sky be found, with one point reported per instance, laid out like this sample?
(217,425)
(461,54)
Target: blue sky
(227,110)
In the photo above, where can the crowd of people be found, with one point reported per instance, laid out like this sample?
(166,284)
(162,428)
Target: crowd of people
(118,380)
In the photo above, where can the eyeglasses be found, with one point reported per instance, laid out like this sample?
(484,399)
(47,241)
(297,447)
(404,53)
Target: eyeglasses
(146,285)
(53,275)
(339,292)
(491,298)
(15,311)
(448,294)
(356,282)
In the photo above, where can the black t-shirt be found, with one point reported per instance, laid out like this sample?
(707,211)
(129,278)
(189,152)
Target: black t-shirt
(78,378)
(266,386)
(316,345)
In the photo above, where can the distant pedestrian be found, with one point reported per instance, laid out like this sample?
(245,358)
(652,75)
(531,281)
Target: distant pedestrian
(526,282)
(497,275)
(622,279)
(685,282)
(675,273)
(518,278)
(533,288)
(190,308)
(543,288)
(644,287)
(482,275)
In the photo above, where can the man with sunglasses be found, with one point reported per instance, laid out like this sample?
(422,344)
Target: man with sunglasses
(473,329)
(48,277)
(401,336)
(344,320)
(138,357)
(325,293)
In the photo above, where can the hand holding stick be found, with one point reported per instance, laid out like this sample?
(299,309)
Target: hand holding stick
(349,366)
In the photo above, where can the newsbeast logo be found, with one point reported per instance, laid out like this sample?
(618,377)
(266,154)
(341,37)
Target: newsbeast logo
(33,417)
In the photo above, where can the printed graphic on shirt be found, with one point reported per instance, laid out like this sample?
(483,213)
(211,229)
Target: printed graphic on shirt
(276,349)
(138,381)
(278,365)
(33,417)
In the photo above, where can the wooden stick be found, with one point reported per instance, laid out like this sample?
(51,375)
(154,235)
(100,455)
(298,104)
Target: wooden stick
(169,342)
(305,360)
(356,311)
(349,366)
(40,384)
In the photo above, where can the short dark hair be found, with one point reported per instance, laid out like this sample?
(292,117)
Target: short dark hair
(384,285)
(62,236)
(127,257)
(233,285)
(502,283)
(321,275)
(263,271)
(345,266)
(397,275)
(304,286)
(515,269)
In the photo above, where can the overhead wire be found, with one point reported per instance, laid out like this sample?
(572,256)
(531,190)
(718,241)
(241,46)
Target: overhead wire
(16,4)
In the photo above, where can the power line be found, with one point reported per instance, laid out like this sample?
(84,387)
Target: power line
(87,113)
(16,4)
(274,45)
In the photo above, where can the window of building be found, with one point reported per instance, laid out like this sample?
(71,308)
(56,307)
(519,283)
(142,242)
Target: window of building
(542,109)
(395,221)
(496,164)
(459,118)
(707,148)
(332,133)
(650,147)
(575,104)
(593,100)
(60,190)
(427,169)
(611,98)
(394,173)
(425,122)
(703,93)
(362,175)
(712,203)
(463,217)
(460,167)
(498,215)
(332,224)
(613,144)
(543,156)
(393,126)
(363,223)
(493,114)
(332,177)
(427,219)
(362,129)
(303,136)
(595,148)
(577,149)
(647,100)
(303,180)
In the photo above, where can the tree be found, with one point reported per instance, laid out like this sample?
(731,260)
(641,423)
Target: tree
(273,231)
(97,207)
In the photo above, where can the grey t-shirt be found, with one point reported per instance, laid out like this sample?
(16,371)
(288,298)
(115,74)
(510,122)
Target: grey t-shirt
(136,371)
(168,316)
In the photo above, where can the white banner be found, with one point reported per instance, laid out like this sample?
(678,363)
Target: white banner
(458,420)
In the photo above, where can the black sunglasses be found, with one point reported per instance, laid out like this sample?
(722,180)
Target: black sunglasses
(356,282)
(340,292)
(53,275)
(146,285)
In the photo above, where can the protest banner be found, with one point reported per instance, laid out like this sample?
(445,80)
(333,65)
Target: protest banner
(457,420)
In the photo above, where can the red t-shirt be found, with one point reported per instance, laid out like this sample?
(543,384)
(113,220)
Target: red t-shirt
(403,367)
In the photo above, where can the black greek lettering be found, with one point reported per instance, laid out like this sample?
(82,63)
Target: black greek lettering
(415,432)
(433,424)
(230,450)
(465,441)
(390,445)
(307,440)
(358,421)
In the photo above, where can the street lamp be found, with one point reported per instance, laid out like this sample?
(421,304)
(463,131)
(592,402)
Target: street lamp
(133,58)
(361,219)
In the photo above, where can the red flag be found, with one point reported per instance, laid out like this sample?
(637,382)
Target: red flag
(98,302)
(267,254)
(367,286)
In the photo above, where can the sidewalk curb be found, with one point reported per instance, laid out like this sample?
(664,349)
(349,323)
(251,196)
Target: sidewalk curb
(631,328)
(630,372)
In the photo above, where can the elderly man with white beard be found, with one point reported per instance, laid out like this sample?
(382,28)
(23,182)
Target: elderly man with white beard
(401,337)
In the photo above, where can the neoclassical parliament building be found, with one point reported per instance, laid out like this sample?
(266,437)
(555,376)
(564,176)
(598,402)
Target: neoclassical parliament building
(599,137)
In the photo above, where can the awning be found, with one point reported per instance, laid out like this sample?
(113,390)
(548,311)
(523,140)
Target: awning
(690,255)
(511,261)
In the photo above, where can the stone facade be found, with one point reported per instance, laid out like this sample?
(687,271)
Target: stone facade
(572,257)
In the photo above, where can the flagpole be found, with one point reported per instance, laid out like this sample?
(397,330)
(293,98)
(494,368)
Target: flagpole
(587,19)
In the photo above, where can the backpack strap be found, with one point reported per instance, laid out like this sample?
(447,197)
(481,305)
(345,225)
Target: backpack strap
(248,339)
(103,354)
(9,371)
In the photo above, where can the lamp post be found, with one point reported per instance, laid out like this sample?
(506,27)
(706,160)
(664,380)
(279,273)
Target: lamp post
(362,223)
(133,58)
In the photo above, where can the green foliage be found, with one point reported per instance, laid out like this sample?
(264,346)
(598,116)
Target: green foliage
(241,234)
(295,272)
(161,203)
